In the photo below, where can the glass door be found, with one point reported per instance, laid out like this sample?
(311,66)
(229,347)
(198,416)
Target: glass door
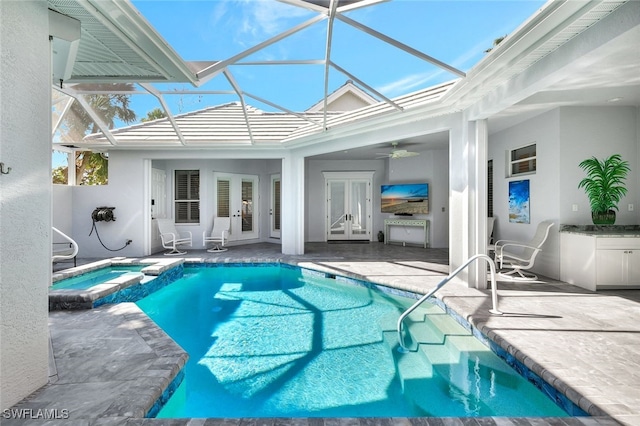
(337,209)
(359,213)
(348,205)
(236,197)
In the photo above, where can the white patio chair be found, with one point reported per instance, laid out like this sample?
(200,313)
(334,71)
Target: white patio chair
(219,234)
(525,255)
(171,238)
(490,246)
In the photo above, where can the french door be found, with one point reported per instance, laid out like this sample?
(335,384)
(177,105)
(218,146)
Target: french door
(348,205)
(236,197)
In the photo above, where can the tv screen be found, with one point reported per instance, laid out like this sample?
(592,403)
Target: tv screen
(405,198)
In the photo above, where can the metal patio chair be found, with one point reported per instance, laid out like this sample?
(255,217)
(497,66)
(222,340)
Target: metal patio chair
(524,256)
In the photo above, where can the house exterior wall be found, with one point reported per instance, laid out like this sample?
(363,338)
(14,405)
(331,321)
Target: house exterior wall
(543,131)
(315,199)
(597,131)
(563,137)
(431,166)
(25,198)
(347,102)
(63,208)
(126,192)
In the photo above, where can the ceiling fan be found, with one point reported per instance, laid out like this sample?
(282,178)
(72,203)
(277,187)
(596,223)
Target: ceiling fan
(397,153)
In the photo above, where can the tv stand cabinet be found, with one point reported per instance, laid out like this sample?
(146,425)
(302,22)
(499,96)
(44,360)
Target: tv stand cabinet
(422,223)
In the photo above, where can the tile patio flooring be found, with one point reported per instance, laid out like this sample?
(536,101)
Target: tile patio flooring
(112,362)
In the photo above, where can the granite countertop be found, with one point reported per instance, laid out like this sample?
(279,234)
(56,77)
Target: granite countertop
(603,230)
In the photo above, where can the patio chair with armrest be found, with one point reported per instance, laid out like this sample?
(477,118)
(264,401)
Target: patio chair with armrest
(524,256)
(219,234)
(171,238)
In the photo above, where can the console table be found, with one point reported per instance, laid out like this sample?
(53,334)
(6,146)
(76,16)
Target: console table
(422,223)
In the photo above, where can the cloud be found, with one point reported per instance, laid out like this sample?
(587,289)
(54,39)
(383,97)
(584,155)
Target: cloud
(267,18)
(407,84)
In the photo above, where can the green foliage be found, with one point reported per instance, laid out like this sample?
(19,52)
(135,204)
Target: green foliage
(154,114)
(604,183)
(92,168)
(60,175)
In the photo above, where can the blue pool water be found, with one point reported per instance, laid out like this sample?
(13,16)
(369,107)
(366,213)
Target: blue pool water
(99,276)
(270,341)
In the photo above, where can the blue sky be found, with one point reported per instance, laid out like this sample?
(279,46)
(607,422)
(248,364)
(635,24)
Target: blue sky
(455,32)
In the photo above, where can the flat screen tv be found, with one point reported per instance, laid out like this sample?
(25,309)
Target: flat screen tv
(405,198)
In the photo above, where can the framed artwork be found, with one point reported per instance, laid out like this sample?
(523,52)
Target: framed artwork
(519,196)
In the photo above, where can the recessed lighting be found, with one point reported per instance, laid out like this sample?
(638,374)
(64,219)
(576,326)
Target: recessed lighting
(612,100)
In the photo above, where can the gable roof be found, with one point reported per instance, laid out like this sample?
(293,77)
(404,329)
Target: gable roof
(346,98)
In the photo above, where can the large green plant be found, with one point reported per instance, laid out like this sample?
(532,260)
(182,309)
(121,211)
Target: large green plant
(604,183)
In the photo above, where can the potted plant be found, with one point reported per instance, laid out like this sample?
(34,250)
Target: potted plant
(604,186)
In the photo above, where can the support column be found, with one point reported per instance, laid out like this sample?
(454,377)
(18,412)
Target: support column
(468,201)
(458,195)
(293,215)
(480,210)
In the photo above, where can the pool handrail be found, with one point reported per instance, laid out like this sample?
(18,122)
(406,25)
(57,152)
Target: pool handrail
(64,254)
(494,294)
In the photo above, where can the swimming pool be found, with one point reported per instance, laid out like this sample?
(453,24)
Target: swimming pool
(99,276)
(279,341)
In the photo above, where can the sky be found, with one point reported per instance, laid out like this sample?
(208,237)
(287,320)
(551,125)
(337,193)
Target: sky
(455,32)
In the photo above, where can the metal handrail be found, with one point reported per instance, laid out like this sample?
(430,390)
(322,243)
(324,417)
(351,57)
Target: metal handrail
(494,294)
(74,245)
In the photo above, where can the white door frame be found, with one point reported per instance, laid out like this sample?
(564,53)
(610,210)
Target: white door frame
(236,204)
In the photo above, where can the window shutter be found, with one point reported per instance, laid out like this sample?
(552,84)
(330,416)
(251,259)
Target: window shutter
(187,196)
(276,205)
(223,198)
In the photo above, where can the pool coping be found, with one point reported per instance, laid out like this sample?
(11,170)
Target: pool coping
(598,416)
(107,292)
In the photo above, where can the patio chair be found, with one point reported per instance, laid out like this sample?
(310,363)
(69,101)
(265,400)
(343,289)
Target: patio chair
(219,234)
(525,255)
(171,238)
(490,246)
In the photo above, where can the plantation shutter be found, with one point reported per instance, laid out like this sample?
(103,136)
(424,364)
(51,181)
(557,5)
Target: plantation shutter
(223,196)
(247,205)
(276,205)
(187,196)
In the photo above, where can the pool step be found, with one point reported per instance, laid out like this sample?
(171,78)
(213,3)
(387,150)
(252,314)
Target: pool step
(445,362)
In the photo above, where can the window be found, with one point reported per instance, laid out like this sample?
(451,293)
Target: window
(187,196)
(521,160)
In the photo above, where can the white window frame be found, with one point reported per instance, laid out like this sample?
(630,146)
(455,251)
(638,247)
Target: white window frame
(510,162)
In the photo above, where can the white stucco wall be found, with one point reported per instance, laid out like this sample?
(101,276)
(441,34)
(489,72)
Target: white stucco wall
(543,131)
(126,192)
(25,198)
(432,167)
(597,131)
(563,137)
(63,208)
(315,201)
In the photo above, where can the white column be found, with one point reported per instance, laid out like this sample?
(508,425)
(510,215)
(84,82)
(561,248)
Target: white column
(25,198)
(479,213)
(293,215)
(467,198)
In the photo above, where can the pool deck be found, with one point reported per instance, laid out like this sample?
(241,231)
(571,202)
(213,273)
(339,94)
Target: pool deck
(111,363)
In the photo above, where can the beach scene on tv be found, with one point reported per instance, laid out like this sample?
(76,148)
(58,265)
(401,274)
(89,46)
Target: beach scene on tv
(403,199)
